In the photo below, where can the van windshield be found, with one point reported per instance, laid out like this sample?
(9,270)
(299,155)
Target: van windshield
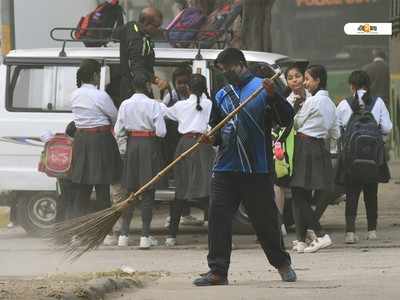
(40,88)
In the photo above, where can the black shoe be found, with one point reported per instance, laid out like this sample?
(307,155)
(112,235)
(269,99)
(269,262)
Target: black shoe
(210,279)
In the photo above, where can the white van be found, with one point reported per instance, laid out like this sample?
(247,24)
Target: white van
(35,87)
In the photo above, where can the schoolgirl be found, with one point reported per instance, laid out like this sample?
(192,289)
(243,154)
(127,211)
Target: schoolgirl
(192,175)
(359,82)
(180,91)
(142,119)
(285,136)
(95,160)
(314,123)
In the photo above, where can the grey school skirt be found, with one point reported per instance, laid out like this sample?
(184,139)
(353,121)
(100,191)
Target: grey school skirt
(312,166)
(193,174)
(95,158)
(143,161)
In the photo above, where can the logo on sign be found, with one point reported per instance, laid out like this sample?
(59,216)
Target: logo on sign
(368,28)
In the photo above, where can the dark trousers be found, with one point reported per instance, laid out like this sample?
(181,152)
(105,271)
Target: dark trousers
(370,192)
(304,216)
(176,210)
(65,209)
(147,205)
(257,194)
(81,204)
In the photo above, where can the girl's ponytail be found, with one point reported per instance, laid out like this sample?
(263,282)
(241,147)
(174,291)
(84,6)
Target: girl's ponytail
(198,87)
(198,106)
(78,78)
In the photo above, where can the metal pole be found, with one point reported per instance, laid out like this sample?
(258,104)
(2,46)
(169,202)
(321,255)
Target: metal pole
(7,26)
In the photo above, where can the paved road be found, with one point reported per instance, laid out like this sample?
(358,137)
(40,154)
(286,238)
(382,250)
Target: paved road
(368,270)
(331,274)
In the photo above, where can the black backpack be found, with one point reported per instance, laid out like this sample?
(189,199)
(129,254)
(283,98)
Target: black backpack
(99,24)
(362,145)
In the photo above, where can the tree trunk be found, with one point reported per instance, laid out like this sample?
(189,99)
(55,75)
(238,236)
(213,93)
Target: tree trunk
(256,25)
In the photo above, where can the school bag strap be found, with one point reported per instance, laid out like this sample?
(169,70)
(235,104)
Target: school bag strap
(368,107)
(232,94)
(285,133)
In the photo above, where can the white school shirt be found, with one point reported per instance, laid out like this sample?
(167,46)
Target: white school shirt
(292,99)
(379,111)
(92,107)
(188,117)
(317,117)
(167,98)
(140,113)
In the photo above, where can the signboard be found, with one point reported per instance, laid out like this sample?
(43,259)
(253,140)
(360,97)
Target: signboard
(321,3)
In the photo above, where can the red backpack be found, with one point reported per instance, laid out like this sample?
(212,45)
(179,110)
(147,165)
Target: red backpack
(56,157)
(106,15)
(217,23)
(183,29)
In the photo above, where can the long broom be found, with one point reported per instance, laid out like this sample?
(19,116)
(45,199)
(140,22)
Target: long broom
(80,235)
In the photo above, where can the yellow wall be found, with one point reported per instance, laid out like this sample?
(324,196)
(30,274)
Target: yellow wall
(6,40)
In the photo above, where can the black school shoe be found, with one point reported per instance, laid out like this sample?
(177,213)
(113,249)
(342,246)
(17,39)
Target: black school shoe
(210,279)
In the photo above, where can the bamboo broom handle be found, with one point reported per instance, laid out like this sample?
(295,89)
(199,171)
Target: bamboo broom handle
(209,134)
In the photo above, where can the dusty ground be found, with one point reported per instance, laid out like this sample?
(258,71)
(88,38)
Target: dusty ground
(330,274)
(368,270)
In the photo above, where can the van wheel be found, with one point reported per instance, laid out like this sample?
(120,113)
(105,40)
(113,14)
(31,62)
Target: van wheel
(37,212)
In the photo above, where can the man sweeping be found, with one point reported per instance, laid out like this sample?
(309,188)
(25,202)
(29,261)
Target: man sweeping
(242,171)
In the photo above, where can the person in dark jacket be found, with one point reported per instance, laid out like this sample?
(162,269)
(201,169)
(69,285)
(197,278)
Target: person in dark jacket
(378,72)
(137,50)
(241,171)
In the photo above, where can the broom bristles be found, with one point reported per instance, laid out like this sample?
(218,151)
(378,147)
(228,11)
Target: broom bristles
(79,235)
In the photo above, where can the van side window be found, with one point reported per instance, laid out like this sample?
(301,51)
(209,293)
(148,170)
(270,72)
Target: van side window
(217,81)
(40,88)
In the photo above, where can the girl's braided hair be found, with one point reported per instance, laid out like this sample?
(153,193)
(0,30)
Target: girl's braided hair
(198,86)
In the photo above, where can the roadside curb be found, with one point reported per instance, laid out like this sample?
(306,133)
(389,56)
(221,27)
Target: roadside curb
(96,289)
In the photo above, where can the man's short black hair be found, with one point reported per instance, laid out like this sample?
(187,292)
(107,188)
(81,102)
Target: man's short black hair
(231,56)
(141,80)
(150,12)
